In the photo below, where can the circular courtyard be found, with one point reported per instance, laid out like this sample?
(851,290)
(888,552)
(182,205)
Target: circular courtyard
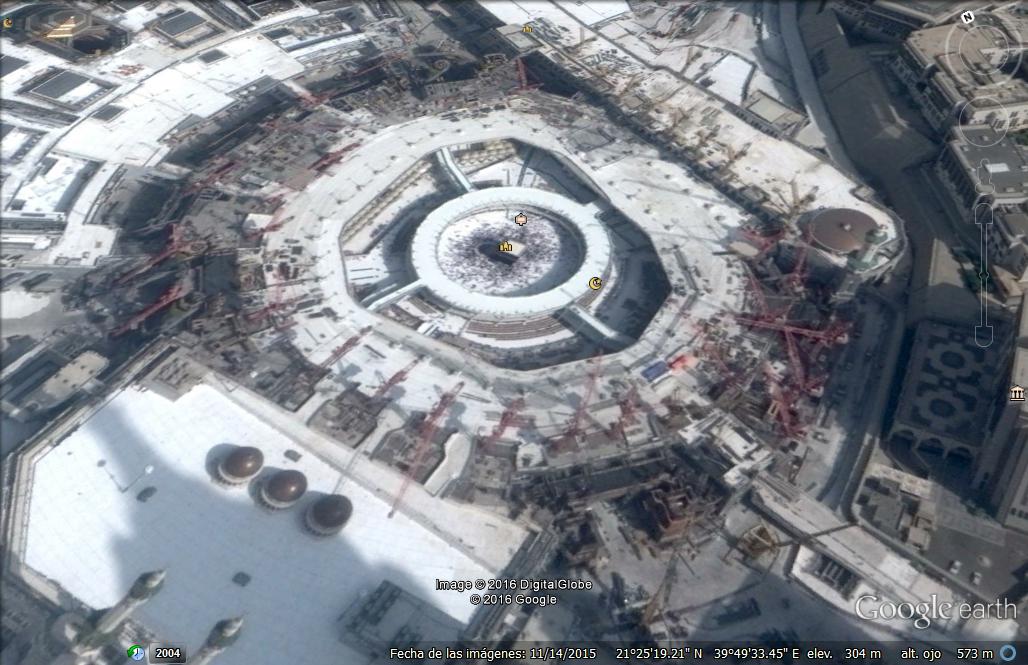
(473,254)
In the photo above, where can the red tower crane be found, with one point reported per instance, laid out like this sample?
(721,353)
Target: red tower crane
(383,60)
(522,74)
(330,158)
(274,304)
(211,177)
(345,348)
(763,242)
(271,303)
(629,405)
(710,349)
(523,84)
(285,325)
(836,332)
(399,377)
(574,428)
(784,400)
(315,100)
(274,225)
(426,432)
(765,312)
(260,314)
(798,371)
(797,277)
(784,393)
(171,295)
(800,377)
(173,246)
(506,420)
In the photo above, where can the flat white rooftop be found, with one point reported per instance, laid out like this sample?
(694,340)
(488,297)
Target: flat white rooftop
(161,102)
(47,190)
(525,11)
(90,533)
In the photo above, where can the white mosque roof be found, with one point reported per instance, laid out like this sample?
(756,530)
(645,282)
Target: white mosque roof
(164,100)
(527,11)
(90,533)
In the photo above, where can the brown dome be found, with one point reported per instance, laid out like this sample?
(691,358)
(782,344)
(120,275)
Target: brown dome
(284,488)
(241,464)
(842,230)
(329,514)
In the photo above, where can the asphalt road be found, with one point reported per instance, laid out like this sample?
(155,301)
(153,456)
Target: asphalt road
(806,86)
(868,384)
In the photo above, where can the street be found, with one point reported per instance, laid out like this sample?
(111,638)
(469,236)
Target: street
(806,85)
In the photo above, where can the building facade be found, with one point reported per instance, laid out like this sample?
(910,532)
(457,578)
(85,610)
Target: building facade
(889,20)
(1007,241)
(1003,470)
(967,74)
(1009,496)
(981,164)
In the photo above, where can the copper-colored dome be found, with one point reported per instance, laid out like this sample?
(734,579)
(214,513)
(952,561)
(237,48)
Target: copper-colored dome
(241,464)
(842,230)
(284,488)
(330,513)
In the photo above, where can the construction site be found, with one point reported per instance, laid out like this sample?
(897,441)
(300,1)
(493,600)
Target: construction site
(245,279)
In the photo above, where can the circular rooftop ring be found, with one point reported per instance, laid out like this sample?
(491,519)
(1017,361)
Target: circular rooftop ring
(425,251)
(842,230)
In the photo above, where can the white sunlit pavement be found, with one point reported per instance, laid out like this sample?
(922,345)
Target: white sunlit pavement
(88,531)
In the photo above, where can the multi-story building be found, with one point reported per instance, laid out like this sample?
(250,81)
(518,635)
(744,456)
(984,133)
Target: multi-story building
(982,164)
(1003,470)
(893,20)
(948,396)
(1009,496)
(968,74)
(1007,241)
